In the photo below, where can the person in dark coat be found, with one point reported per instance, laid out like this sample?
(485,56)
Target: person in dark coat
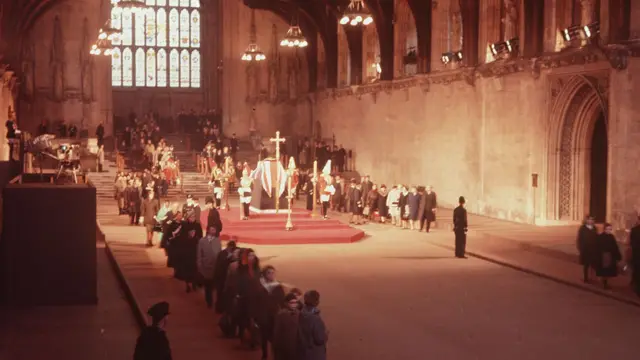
(312,341)
(634,243)
(153,344)
(134,200)
(186,247)
(608,255)
(460,228)
(171,235)
(247,287)
(413,200)
(586,244)
(285,331)
(427,211)
(220,275)
(383,209)
(308,188)
(268,301)
(213,217)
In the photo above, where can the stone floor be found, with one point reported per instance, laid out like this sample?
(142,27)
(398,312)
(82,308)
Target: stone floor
(400,295)
(107,331)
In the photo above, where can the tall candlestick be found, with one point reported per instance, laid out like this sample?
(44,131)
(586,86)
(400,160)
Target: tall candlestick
(289,225)
(314,180)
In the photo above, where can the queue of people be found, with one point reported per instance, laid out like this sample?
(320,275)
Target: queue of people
(254,306)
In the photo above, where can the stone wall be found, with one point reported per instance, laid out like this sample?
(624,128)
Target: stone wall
(484,141)
(273,87)
(60,80)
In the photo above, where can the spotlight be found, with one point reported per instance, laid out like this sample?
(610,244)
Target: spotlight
(505,49)
(451,57)
(579,32)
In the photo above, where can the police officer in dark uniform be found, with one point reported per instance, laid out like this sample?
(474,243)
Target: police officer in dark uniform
(460,228)
(152,343)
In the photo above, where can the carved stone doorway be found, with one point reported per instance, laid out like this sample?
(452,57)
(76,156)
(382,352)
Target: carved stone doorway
(578,165)
(598,170)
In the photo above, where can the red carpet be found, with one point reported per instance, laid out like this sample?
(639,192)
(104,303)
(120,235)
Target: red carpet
(269,229)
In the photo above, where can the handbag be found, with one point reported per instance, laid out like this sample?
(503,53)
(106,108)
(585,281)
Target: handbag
(366,210)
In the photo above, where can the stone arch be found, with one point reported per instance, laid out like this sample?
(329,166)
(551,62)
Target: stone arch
(406,39)
(573,117)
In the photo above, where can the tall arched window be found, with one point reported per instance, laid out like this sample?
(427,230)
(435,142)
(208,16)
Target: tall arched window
(157,46)
(140,67)
(185,77)
(195,69)
(174,68)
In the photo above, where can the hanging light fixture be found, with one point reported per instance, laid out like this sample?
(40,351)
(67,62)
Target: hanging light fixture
(108,32)
(294,38)
(133,5)
(356,14)
(253,52)
(101,47)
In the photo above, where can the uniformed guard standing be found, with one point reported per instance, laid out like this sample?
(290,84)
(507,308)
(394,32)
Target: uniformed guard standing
(152,343)
(460,228)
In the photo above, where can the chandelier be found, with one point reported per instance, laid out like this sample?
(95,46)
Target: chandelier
(356,14)
(133,5)
(253,52)
(108,32)
(294,38)
(101,47)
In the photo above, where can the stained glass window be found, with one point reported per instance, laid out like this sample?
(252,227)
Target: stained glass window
(151,68)
(184,28)
(116,68)
(195,69)
(174,28)
(185,76)
(127,27)
(150,26)
(116,22)
(174,68)
(140,67)
(162,68)
(195,28)
(162,27)
(139,29)
(127,67)
(157,47)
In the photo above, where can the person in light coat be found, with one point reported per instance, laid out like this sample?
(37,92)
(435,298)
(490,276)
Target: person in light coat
(208,249)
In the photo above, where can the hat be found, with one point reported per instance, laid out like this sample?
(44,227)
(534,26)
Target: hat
(208,200)
(189,196)
(159,310)
(461,200)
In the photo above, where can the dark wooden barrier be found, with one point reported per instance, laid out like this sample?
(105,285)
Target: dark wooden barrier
(48,245)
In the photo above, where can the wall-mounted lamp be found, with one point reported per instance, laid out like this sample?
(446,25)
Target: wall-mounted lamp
(505,49)
(452,57)
(581,32)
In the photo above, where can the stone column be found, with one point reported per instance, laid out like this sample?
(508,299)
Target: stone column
(510,20)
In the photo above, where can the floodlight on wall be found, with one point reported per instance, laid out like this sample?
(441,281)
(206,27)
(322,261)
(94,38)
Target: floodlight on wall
(505,49)
(356,14)
(133,5)
(451,57)
(580,32)
(294,38)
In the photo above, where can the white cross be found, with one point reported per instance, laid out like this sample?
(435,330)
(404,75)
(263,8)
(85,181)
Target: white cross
(278,140)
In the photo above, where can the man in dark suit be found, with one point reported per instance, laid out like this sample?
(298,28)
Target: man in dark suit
(213,218)
(460,228)
(634,242)
(427,210)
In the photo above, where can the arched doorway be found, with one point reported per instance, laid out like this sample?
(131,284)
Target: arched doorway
(598,170)
(578,152)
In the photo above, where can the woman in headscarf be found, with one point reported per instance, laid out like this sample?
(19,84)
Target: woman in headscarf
(267,303)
